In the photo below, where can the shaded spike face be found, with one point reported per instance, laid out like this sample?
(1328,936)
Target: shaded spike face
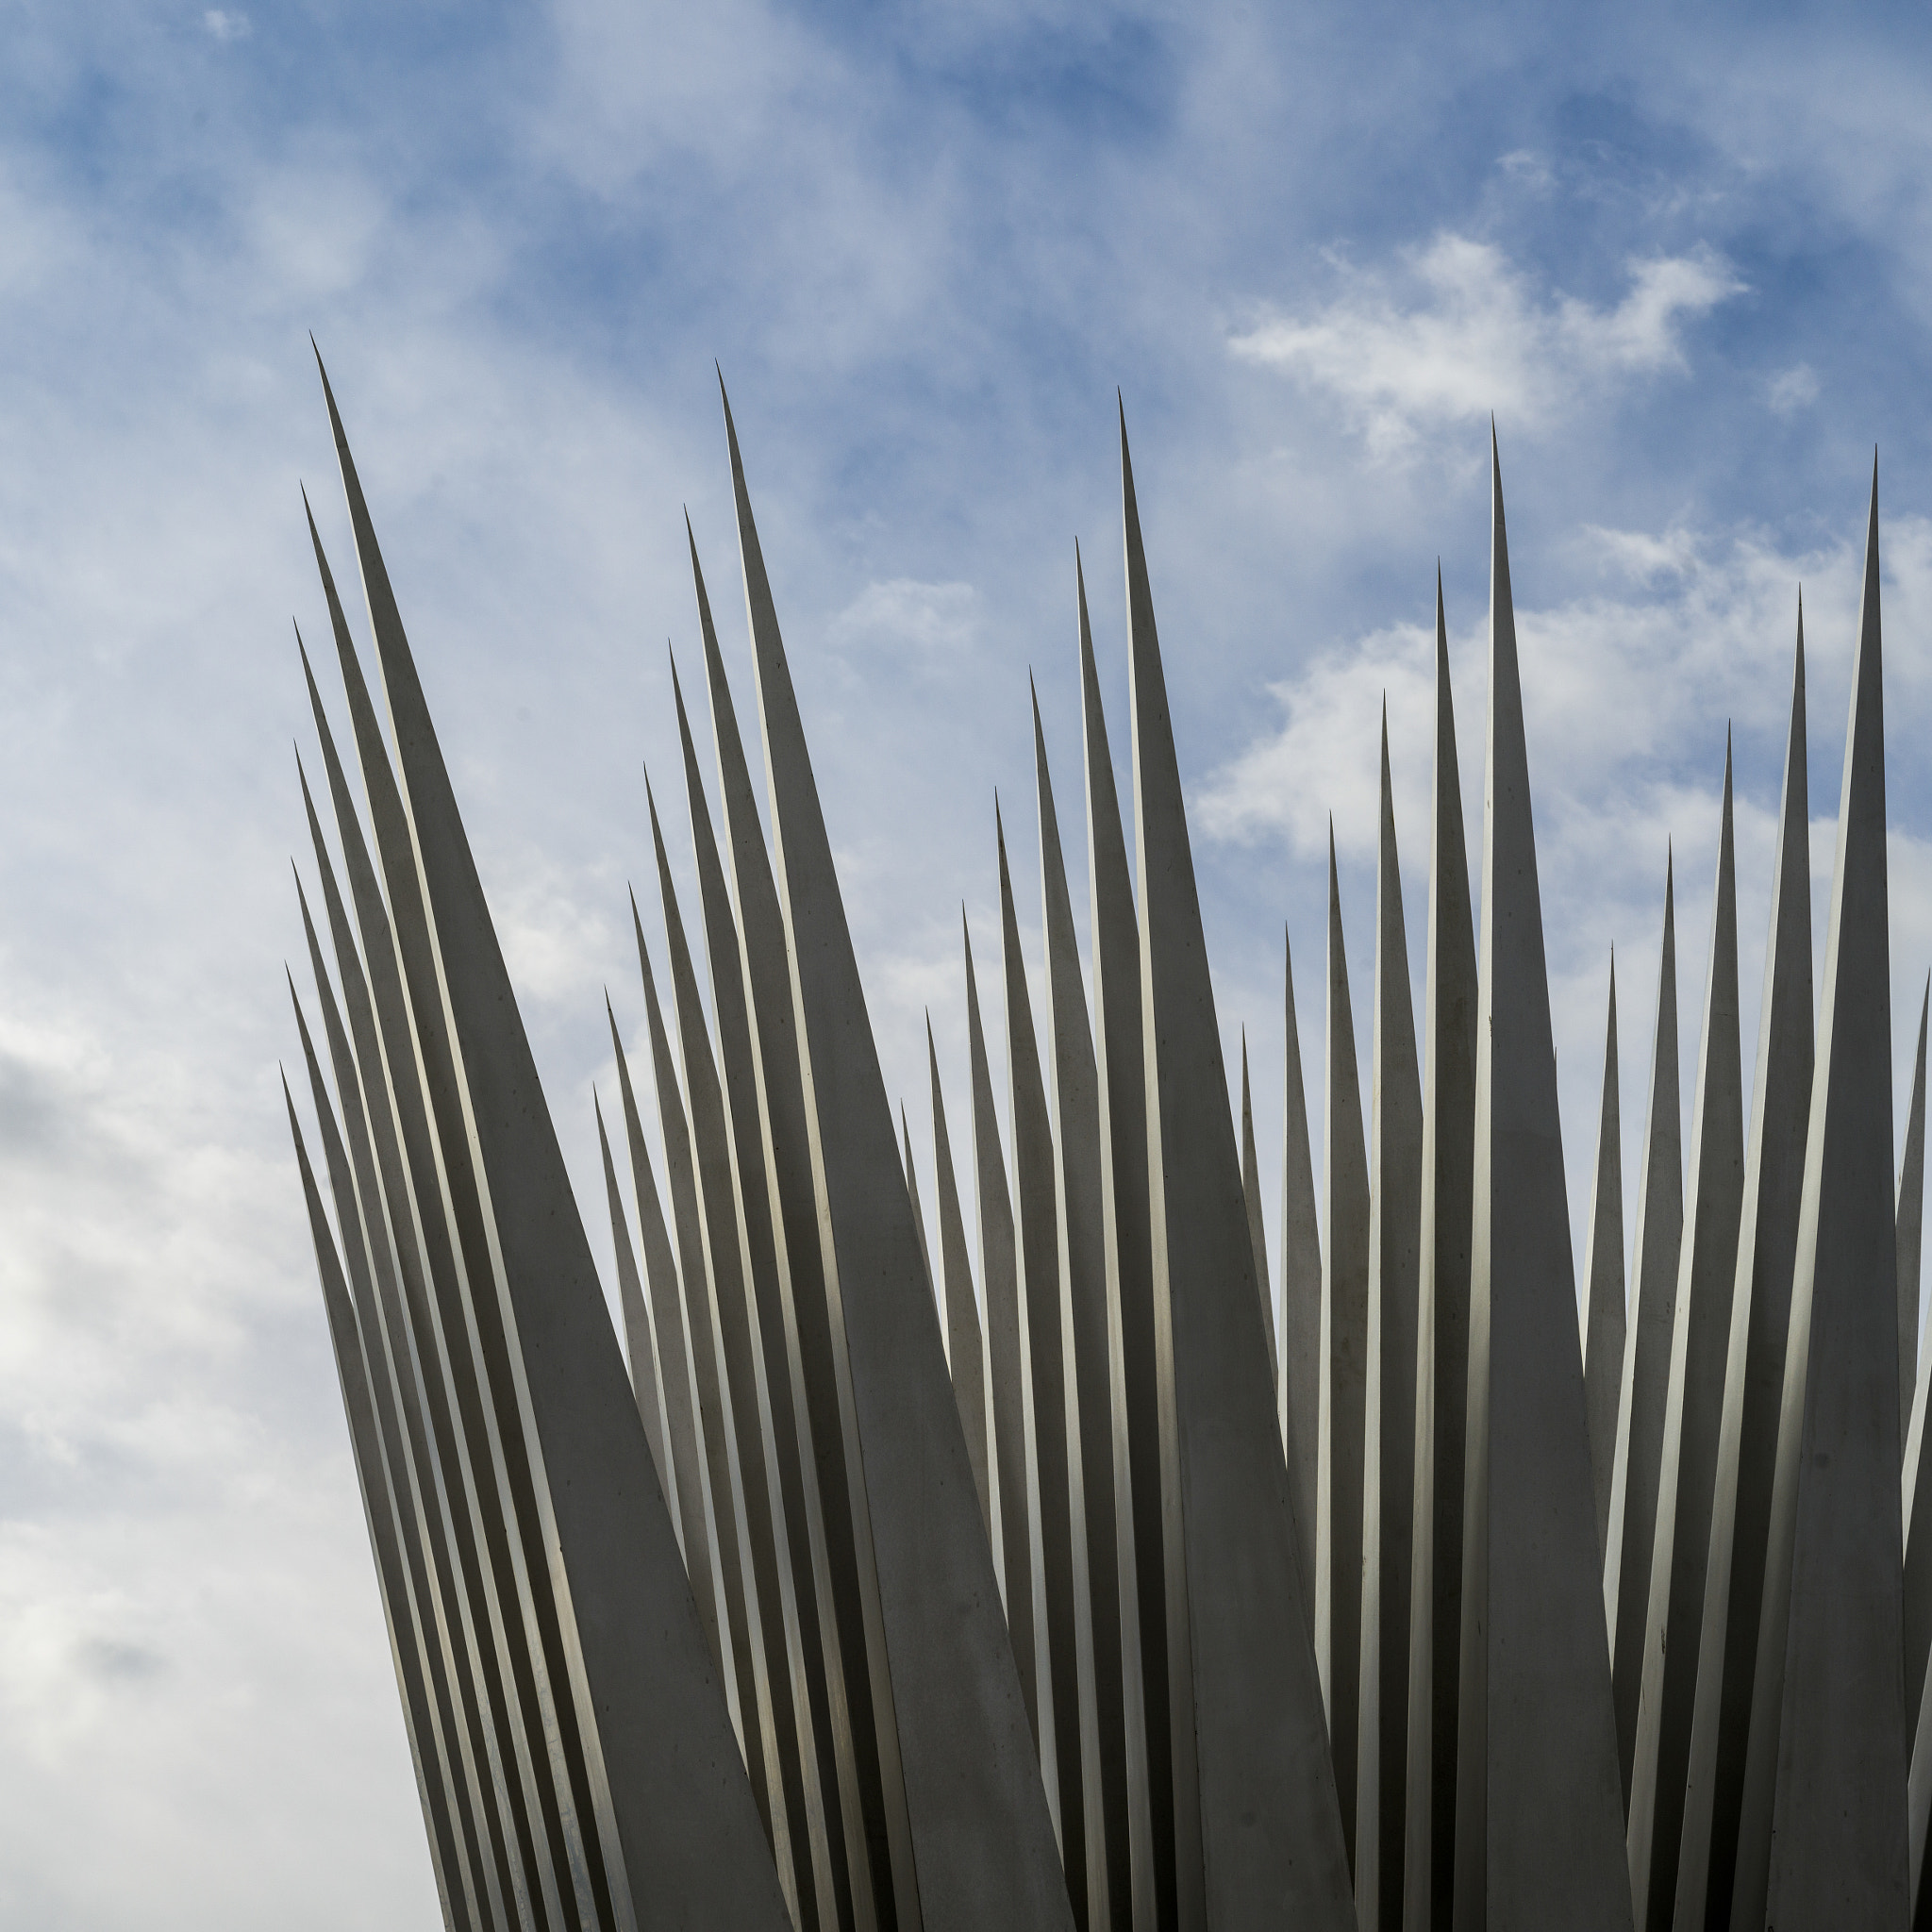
(1344,1376)
(1118,1828)
(1258,1830)
(1692,1419)
(1146,1451)
(1912,1219)
(1298,1385)
(1606,1332)
(1754,1369)
(1395,1176)
(637,1314)
(1823,1831)
(1645,1393)
(1441,1337)
(1538,1825)
(584,1528)
(1250,1190)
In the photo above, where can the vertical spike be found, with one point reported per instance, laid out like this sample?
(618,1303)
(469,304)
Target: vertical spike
(1298,1385)
(1344,1371)
(637,1316)
(1645,1383)
(1912,1219)
(965,1777)
(457,1910)
(919,1213)
(1822,1834)
(1441,1337)
(1692,1419)
(1250,1190)
(1118,1770)
(1538,1838)
(966,1349)
(1754,1372)
(1263,1829)
(1603,1272)
(1395,1181)
(1056,1428)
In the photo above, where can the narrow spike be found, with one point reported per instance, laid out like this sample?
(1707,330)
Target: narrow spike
(1298,1385)
(966,1348)
(1912,1219)
(1645,1384)
(1250,1190)
(1056,1431)
(1918,1493)
(560,1389)
(1344,1372)
(1823,1837)
(1118,1770)
(1754,1372)
(1603,1271)
(965,1780)
(918,1212)
(1395,1181)
(1441,1337)
(1260,1832)
(637,1317)
(1538,1828)
(1153,1575)
(1692,1419)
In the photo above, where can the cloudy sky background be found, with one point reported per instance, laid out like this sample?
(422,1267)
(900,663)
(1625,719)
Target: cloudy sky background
(1688,270)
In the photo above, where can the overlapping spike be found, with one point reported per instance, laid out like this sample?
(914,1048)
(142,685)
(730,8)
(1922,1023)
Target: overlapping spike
(1606,1329)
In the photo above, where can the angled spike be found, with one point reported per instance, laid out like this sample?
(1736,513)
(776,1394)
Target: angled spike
(1345,1371)
(1153,1574)
(1262,1797)
(1117,1770)
(770,1606)
(1395,1182)
(1823,1836)
(1441,1337)
(1603,1272)
(742,1661)
(966,1350)
(459,1904)
(1056,1433)
(1009,1358)
(1645,1384)
(559,1386)
(1298,1383)
(1754,1372)
(1694,1413)
(1912,1219)
(637,1316)
(1538,1825)
(969,1783)
(839,1521)
(1251,1188)
(435,1281)
(919,1213)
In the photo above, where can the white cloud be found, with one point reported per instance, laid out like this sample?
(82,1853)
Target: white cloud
(1793,389)
(901,613)
(220,25)
(1457,332)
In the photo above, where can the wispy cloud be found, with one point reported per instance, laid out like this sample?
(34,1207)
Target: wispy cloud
(1456,331)
(221,25)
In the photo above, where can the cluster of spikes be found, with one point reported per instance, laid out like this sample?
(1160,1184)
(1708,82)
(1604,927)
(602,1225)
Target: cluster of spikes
(1137,1587)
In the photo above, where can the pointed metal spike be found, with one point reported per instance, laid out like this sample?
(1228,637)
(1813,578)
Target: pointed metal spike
(1442,1336)
(1645,1384)
(1395,1181)
(1538,1739)
(918,1211)
(1298,1383)
(1823,1836)
(1250,1190)
(1258,1827)
(965,1349)
(637,1317)
(1603,1272)
(459,1904)
(1692,1418)
(966,1778)
(1120,1827)
(1345,1371)
(1754,1372)
(777,1388)
(1009,1356)
(839,1517)
(1912,1219)
(1152,1564)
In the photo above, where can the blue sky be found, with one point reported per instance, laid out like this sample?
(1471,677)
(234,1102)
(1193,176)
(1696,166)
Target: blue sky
(1687,264)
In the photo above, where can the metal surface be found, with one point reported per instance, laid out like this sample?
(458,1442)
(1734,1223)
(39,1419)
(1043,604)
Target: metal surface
(1911,1222)
(1251,1193)
(1298,1384)
(1606,1332)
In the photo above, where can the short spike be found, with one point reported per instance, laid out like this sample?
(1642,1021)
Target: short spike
(918,1211)
(966,1349)
(637,1316)
(1602,1274)
(1298,1385)
(1251,1190)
